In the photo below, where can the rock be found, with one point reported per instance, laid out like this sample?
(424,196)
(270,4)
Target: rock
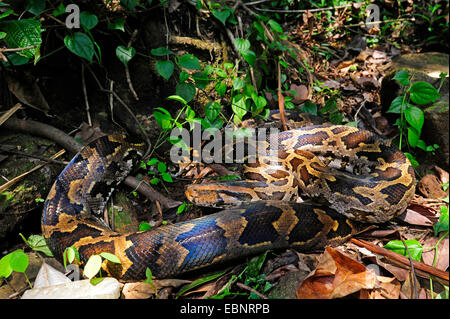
(108,288)
(426,67)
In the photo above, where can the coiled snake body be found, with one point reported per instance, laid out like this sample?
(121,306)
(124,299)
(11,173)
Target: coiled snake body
(318,161)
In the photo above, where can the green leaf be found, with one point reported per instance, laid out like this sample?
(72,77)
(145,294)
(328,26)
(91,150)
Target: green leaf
(144,226)
(242,45)
(238,83)
(110,257)
(181,208)
(423,93)
(167,177)
(117,24)
(177,98)
(250,57)
(212,110)
(80,44)
(414,116)
(336,117)
(69,255)
(198,282)
(442,224)
(186,91)
(6,13)
(183,76)
(95,281)
(163,120)
(413,136)
(161,51)
(35,6)
(92,266)
(5,267)
(38,243)
(154,181)
(402,77)
(239,106)
(152,161)
(88,20)
(148,275)
(443,294)
(162,167)
(19,261)
(412,159)
(188,61)
(396,105)
(309,107)
(165,68)
(414,247)
(201,80)
(222,16)
(275,26)
(125,54)
(23,33)
(221,88)
(130,4)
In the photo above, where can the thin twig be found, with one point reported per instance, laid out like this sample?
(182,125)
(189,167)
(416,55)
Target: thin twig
(413,273)
(241,285)
(24,154)
(127,71)
(86,100)
(281,99)
(147,139)
(308,10)
(18,178)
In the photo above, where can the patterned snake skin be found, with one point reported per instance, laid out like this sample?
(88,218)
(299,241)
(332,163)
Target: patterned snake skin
(317,161)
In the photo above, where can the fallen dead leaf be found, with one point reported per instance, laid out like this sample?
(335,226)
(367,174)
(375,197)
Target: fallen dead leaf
(419,215)
(386,288)
(141,290)
(442,259)
(430,187)
(443,175)
(335,276)
(302,93)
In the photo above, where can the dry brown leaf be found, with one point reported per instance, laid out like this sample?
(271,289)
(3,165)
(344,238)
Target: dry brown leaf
(141,290)
(418,214)
(302,93)
(386,288)
(442,261)
(335,276)
(443,175)
(430,187)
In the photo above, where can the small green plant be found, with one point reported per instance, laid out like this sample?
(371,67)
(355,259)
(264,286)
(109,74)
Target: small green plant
(411,118)
(15,261)
(37,243)
(94,265)
(70,255)
(160,174)
(253,277)
(149,280)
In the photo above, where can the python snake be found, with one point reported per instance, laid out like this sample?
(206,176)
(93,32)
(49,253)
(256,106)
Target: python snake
(350,174)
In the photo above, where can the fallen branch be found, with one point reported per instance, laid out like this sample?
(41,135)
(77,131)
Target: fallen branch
(421,269)
(151,193)
(18,178)
(69,143)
